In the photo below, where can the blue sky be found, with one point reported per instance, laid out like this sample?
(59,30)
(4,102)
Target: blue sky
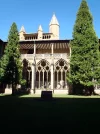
(31,13)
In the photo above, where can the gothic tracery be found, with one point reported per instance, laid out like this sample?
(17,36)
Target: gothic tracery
(43,74)
(60,69)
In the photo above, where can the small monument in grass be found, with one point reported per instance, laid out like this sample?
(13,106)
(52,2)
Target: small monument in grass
(46,95)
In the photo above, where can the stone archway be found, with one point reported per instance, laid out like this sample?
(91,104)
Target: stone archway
(26,72)
(43,75)
(60,71)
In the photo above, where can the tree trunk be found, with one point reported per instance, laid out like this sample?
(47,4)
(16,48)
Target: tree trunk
(13,89)
(90,90)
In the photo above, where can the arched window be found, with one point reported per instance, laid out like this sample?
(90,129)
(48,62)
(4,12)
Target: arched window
(43,74)
(26,72)
(60,69)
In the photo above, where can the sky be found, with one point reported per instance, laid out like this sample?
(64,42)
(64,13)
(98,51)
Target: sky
(32,13)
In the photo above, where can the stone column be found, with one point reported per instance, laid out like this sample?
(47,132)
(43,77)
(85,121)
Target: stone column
(52,70)
(52,76)
(57,78)
(34,48)
(43,79)
(33,79)
(52,50)
(33,71)
(47,80)
(32,86)
(39,79)
(61,75)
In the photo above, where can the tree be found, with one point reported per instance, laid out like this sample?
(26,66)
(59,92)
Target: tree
(85,57)
(11,67)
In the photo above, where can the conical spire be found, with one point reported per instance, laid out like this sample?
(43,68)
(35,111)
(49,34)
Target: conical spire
(22,29)
(40,28)
(54,20)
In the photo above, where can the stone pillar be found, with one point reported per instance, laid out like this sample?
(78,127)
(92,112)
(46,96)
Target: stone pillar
(52,76)
(57,78)
(52,70)
(33,71)
(34,49)
(47,80)
(33,79)
(52,50)
(43,79)
(39,79)
(61,75)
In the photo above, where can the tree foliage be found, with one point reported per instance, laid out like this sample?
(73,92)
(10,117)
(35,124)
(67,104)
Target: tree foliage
(10,64)
(85,56)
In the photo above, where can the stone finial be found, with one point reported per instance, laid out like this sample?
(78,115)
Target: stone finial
(54,20)
(40,28)
(22,29)
(40,33)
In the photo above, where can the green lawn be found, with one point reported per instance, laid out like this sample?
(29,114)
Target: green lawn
(28,113)
(61,96)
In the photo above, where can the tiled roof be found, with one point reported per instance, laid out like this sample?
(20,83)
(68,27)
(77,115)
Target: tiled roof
(44,44)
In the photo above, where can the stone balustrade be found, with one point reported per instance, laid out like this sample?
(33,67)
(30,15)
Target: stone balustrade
(45,56)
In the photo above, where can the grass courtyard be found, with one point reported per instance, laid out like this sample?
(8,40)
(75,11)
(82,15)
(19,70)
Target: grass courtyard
(29,113)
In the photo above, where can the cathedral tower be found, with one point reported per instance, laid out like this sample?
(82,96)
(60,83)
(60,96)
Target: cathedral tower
(54,27)
(21,33)
(40,33)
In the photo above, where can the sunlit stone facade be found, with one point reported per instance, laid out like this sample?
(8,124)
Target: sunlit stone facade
(45,58)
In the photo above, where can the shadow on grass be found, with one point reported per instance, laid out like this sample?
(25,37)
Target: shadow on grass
(27,114)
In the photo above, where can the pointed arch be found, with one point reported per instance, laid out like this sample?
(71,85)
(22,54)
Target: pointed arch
(61,64)
(43,74)
(60,70)
(26,72)
(43,63)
